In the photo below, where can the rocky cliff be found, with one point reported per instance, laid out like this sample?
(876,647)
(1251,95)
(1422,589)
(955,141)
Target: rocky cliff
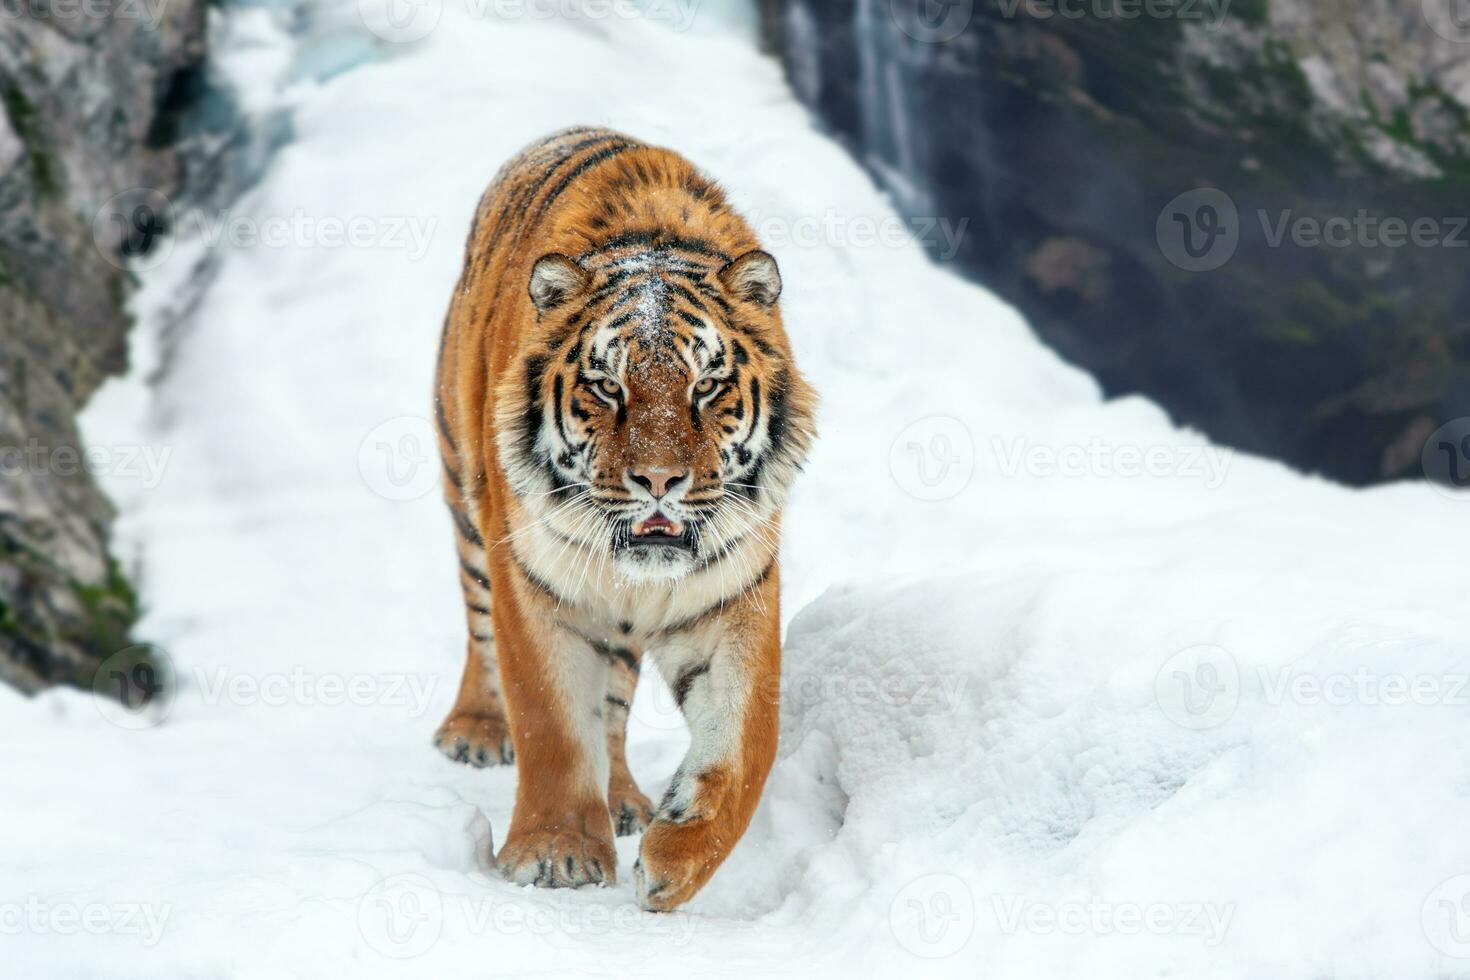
(1253,212)
(92,97)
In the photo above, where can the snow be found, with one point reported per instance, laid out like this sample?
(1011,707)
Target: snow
(1068,691)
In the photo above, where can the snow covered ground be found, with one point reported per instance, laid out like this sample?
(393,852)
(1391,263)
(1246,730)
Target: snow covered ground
(1068,692)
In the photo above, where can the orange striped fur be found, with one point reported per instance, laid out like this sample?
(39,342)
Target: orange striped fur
(620,420)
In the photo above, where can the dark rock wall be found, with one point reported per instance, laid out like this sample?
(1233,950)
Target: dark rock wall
(93,97)
(1065,140)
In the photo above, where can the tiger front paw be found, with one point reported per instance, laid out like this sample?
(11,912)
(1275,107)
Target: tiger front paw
(557,859)
(631,811)
(675,861)
(478,739)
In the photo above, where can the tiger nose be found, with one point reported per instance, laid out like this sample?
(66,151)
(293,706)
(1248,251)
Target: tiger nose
(656,481)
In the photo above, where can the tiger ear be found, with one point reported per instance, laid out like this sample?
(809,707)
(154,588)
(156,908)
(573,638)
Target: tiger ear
(754,277)
(554,280)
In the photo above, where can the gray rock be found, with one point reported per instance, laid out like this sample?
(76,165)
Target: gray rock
(93,96)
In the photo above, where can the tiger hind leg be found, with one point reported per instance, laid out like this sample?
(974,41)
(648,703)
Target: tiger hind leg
(476,731)
(630,809)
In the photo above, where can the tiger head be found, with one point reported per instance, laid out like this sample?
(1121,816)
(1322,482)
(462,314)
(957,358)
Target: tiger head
(660,420)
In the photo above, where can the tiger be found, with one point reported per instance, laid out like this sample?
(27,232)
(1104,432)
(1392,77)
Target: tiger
(620,420)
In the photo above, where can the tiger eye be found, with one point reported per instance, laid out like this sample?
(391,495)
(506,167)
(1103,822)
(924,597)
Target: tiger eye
(705,386)
(609,387)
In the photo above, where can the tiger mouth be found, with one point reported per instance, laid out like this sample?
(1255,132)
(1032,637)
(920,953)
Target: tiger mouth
(660,531)
(659,525)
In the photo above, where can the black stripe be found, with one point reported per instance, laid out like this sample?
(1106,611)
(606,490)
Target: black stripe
(444,425)
(531,417)
(718,607)
(726,549)
(614,654)
(465,528)
(683,293)
(619,320)
(755,418)
(605,650)
(777,412)
(587,163)
(686,681)
(558,416)
(524,194)
(614,279)
(453,474)
(658,239)
(475,575)
(537,583)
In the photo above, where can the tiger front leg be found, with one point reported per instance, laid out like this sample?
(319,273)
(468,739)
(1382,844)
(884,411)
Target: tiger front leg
(730,698)
(560,832)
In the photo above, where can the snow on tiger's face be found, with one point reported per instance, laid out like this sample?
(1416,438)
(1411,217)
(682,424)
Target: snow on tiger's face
(662,419)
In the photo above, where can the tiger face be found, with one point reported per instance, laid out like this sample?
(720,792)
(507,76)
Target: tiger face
(660,422)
